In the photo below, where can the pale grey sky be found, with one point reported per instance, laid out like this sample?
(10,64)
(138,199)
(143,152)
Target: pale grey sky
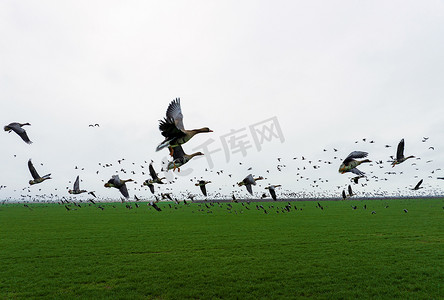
(331,73)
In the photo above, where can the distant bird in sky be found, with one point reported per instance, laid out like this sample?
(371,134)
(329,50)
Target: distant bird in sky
(418,185)
(202,184)
(249,181)
(17,128)
(119,184)
(400,158)
(349,164)
(180,158)
(173,130)
(37,179)
(94,125)
(272,190)
(76,189)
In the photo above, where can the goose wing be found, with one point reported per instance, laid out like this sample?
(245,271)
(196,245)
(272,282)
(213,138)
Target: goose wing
(203,189)
(115,180)
(357,172)
(418,185)
(169,129)
(174,112)
(124,191)
(249,180)
(178,152)
(77,184)
(31,168)
(353,155)
(249,188)
(153,173)
(400,150)
(151,186)
(272,193)
(350,191)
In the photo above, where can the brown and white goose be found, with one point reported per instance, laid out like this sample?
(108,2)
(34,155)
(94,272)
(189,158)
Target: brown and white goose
(154,179)
(172,127)
(37,179)
(350,163)
(400,158)
(76,189)
(249,181)
(271,189)
(180,158)
(202,184)
(119,184)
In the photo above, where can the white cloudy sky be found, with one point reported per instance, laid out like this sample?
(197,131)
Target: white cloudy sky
(331,73)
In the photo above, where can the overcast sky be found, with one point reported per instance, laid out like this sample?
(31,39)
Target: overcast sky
(328,73)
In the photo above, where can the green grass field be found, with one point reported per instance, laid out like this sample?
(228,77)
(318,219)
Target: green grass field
(183,252)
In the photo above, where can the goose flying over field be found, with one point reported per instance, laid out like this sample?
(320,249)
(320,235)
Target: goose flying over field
(150,185)
(154,176)
(418,186)
(154,205)
(349,164)
(119,184)
(154,179)
(166,196)
(172,127)
(180,158)
(202,184)
(350,191)
(400,158)
(37,179)
(356,179)
(271,189)
(17,128)
(248,181)
(76,189)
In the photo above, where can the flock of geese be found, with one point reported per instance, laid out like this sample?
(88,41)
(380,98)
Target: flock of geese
(175,136)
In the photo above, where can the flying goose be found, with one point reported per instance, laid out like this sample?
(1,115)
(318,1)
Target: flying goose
(271,189)
(76,189)
(202,184)
(119,184)
(17,128)
(400,158)
(172,127)
(37,179)
(180,158)
(248,181)
(349,164)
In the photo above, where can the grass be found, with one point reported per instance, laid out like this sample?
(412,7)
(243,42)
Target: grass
(186,252)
